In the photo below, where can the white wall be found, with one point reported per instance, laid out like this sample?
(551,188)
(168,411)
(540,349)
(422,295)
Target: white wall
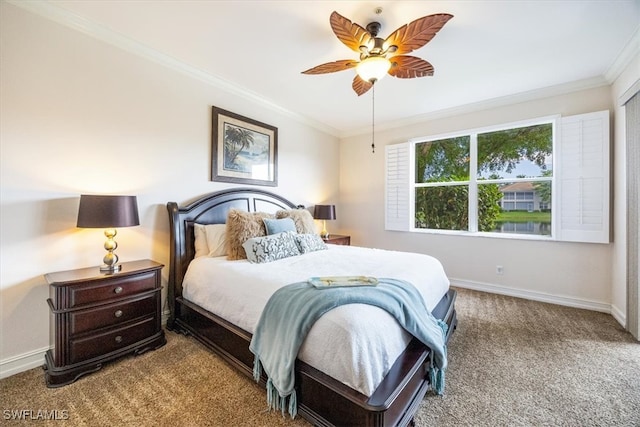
(83,116)
(569,273)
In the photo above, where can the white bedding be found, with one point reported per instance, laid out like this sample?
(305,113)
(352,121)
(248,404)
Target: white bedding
(356,343)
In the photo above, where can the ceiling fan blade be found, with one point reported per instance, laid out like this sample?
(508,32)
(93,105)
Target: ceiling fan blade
(332,67)
(349,33)
(416,34)
(408,67)
(360,86)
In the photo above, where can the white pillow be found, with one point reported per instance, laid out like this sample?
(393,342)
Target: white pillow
(202,248)
(216,239)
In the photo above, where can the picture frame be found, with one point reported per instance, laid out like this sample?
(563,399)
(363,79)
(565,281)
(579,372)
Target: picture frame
(244,151)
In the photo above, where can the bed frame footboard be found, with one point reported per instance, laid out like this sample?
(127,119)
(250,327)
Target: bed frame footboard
(323,400)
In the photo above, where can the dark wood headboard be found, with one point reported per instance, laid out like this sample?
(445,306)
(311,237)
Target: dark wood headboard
(211,208)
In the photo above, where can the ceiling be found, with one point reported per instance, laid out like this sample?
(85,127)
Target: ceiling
(490,50)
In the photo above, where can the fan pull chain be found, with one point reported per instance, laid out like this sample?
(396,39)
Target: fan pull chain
(373,118)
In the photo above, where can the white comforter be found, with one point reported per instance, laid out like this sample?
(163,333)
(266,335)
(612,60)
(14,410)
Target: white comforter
(356,343)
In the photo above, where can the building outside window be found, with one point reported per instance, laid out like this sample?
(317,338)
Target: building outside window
(487,182)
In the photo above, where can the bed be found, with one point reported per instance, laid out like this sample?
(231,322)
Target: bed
(391,400)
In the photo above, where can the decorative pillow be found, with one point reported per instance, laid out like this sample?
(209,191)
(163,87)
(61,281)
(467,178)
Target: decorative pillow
(309,243)
(302,219)
(242,226)
(271,248)
(275,226)
(202,249)
(216,239)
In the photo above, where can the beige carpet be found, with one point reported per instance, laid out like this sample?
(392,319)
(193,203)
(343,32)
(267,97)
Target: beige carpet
(511,363)
(514,362)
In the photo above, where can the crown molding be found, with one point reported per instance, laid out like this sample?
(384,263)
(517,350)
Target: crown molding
(624,58)
(71,20)
(622,61)
(503,101)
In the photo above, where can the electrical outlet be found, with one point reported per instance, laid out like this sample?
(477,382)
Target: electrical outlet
(499,270)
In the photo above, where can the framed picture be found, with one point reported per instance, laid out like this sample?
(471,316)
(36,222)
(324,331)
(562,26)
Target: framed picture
(244,151)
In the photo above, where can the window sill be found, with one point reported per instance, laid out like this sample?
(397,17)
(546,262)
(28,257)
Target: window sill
(507,236)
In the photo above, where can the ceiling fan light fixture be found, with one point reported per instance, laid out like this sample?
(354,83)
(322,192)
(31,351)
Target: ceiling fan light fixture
(373,68)
(372,63)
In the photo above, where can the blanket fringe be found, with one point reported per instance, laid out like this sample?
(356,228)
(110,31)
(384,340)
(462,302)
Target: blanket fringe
(293,404)
(275,401)
(436,375)
(257,369)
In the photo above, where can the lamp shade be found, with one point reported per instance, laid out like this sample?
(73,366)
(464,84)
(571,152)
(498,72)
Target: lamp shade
(324,212)
(98,211)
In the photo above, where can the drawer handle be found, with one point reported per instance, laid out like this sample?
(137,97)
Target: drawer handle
(118,313)
(118,289)
(119,339)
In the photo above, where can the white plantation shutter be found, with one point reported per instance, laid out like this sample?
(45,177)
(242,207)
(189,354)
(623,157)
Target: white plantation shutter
(582,174)
(397,187)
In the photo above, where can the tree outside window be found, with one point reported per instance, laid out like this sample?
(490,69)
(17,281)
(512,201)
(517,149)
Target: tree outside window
(509,164)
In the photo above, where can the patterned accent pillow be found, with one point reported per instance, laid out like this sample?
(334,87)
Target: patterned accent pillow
(309,243)
(271,248)
(242,226)
(302,219)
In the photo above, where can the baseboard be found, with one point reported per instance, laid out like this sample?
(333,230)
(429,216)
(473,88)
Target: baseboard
(619,315)
(33,359)
(23,362)
(534,295)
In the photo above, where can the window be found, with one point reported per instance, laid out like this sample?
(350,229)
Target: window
(546,179)
(441,186)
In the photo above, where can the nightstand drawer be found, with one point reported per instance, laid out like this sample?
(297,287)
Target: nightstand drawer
(104,343)
(115,287)
(337,239)
(112,314)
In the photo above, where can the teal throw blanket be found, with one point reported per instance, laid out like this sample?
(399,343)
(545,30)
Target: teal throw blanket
(292,310)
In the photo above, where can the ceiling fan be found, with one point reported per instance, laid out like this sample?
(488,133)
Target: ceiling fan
(373,63)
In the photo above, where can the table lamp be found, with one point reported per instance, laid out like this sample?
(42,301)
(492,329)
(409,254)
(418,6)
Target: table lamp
(324,212)
(108,212)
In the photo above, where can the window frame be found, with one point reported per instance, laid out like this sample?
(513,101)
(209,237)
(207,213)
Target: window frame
(473,180)
(581,181)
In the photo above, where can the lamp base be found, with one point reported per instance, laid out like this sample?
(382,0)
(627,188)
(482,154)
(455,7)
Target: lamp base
(324,233)
(110,259)
(110,268)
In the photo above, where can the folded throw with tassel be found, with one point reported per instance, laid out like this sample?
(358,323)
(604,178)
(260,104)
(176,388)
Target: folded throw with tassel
(293,309)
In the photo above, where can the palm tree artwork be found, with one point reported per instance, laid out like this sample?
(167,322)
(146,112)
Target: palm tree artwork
(238,144)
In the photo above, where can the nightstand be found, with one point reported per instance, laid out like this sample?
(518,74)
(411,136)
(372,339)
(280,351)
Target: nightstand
(98,317)
(337,239)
